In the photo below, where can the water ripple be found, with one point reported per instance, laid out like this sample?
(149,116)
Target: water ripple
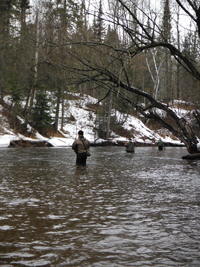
(119,210)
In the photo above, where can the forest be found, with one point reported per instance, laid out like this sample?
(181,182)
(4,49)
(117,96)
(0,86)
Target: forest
(137,56)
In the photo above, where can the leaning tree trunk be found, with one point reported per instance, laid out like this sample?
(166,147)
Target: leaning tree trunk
(180,127)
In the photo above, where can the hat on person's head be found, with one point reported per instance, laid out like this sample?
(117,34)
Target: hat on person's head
(80,132)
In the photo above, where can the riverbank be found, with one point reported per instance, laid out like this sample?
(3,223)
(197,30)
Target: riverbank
(65,143)
(85,119)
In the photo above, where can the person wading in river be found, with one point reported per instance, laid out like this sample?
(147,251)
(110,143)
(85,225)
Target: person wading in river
(160,145)
(130,146)
(80,147)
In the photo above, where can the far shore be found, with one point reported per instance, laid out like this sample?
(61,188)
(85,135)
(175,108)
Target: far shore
(45,143)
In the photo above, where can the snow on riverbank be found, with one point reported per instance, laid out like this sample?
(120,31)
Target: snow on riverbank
(84,118)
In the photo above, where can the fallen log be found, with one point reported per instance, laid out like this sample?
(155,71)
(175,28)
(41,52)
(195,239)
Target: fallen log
(192,156)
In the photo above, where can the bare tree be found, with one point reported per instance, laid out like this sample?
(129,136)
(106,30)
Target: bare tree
(157,69)
(105,64)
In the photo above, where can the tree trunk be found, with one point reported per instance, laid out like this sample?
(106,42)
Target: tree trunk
(57,109)
(63,111)
(32,93)
(109,116)
(4,31)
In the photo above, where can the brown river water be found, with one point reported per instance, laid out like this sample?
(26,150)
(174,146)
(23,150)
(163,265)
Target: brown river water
(140,209)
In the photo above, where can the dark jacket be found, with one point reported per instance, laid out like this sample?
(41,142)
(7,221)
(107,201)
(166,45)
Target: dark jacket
(160,143)
(78,145)
(130,147)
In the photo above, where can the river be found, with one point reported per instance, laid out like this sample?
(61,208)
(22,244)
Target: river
(122,209)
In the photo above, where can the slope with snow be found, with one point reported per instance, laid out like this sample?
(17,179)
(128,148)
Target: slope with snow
(83,118)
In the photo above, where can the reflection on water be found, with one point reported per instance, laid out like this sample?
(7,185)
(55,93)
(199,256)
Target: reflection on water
(121,209)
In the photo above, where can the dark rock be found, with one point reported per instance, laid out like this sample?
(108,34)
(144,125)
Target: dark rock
(192,156)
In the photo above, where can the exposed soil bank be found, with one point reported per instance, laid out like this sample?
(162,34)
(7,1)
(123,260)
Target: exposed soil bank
(28,143)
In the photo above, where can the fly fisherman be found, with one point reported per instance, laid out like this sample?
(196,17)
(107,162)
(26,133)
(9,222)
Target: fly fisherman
(80,147)
(160,144)
(130,146)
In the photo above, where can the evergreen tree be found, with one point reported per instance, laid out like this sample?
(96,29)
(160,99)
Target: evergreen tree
(98,25)
(23,6)
(5,15)
(41,117)
(166,22)
(166,37)
(23,52)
